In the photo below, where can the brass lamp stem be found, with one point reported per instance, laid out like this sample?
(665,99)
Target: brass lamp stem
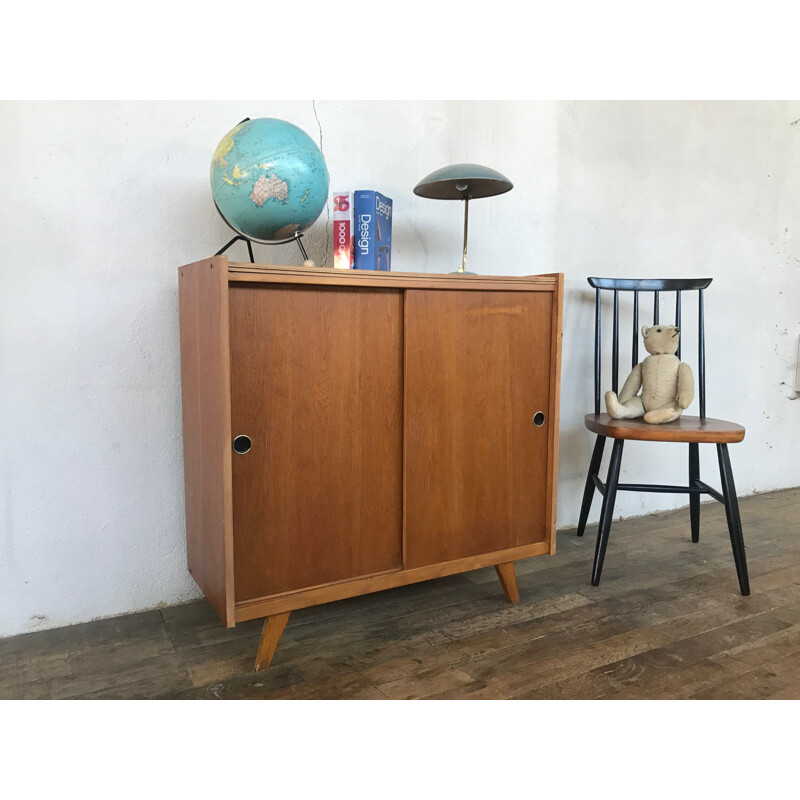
(463,267)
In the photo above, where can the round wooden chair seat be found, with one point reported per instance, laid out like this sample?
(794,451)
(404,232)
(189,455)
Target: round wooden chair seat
(683,429)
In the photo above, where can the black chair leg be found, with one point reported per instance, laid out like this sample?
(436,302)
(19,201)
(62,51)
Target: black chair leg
(588,491)
(694,499)
(734,520)
(607,513)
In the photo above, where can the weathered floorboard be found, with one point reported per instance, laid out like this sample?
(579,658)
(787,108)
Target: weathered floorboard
(667,622)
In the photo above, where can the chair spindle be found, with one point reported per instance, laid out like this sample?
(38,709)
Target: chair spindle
(615,350)
(618,285)
(597,352)
(701,352)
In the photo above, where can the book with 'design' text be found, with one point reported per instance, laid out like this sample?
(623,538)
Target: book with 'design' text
(373,230)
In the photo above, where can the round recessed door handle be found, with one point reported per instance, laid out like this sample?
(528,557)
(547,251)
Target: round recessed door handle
(538,419)
(241,444)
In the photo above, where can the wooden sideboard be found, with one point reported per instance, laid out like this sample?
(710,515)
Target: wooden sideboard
(346,432)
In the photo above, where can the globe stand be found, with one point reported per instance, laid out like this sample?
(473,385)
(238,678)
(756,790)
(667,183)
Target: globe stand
(241,237)
(234,240)
(296,238)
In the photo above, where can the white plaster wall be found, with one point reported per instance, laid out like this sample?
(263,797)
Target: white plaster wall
(676,189)
(102,202)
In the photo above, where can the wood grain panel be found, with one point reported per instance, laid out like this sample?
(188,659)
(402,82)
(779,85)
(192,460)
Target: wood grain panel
(477,371)
(267,273)
(316,595)
(555,409)
(317,386)
(203,310)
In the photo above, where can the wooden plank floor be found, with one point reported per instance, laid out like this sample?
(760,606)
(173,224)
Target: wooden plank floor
(667,622)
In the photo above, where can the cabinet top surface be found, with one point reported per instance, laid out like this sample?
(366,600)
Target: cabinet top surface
(273,273)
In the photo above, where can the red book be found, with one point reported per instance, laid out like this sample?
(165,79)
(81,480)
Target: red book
(343,230)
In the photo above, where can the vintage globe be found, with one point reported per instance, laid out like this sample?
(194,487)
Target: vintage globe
(269,179)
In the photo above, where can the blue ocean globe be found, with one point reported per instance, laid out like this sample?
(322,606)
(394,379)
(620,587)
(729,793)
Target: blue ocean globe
(269,179)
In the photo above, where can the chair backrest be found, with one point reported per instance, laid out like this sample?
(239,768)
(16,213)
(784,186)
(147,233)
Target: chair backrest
(657,286)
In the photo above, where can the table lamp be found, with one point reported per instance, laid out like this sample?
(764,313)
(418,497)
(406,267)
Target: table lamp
(463,182)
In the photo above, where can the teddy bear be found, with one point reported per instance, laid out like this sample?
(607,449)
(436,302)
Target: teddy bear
(666,382)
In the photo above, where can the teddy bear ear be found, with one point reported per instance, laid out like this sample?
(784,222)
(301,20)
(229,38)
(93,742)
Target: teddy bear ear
(644,330)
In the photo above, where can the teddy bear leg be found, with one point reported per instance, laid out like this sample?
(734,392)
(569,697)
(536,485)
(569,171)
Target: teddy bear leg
(660,415)
(630,410)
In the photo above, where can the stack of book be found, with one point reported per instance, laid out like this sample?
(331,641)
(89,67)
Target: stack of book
(362,230)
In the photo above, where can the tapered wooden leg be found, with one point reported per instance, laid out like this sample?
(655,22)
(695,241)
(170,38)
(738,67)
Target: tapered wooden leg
(694,499)
(607,512)
(270,636)
(734,520)
(588,491)
(508,580)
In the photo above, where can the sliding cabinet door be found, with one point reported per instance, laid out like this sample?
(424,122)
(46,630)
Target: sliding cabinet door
(477,368)
(316,386)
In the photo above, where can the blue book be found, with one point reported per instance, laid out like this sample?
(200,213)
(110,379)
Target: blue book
(373,230)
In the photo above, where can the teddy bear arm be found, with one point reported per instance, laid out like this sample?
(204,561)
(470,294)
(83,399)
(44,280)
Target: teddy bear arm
(632,385)
(685,385)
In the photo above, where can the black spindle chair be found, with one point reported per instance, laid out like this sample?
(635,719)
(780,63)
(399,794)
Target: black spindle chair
(687,429)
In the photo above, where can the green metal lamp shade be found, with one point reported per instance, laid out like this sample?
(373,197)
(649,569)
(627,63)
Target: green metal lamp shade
(462,181)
